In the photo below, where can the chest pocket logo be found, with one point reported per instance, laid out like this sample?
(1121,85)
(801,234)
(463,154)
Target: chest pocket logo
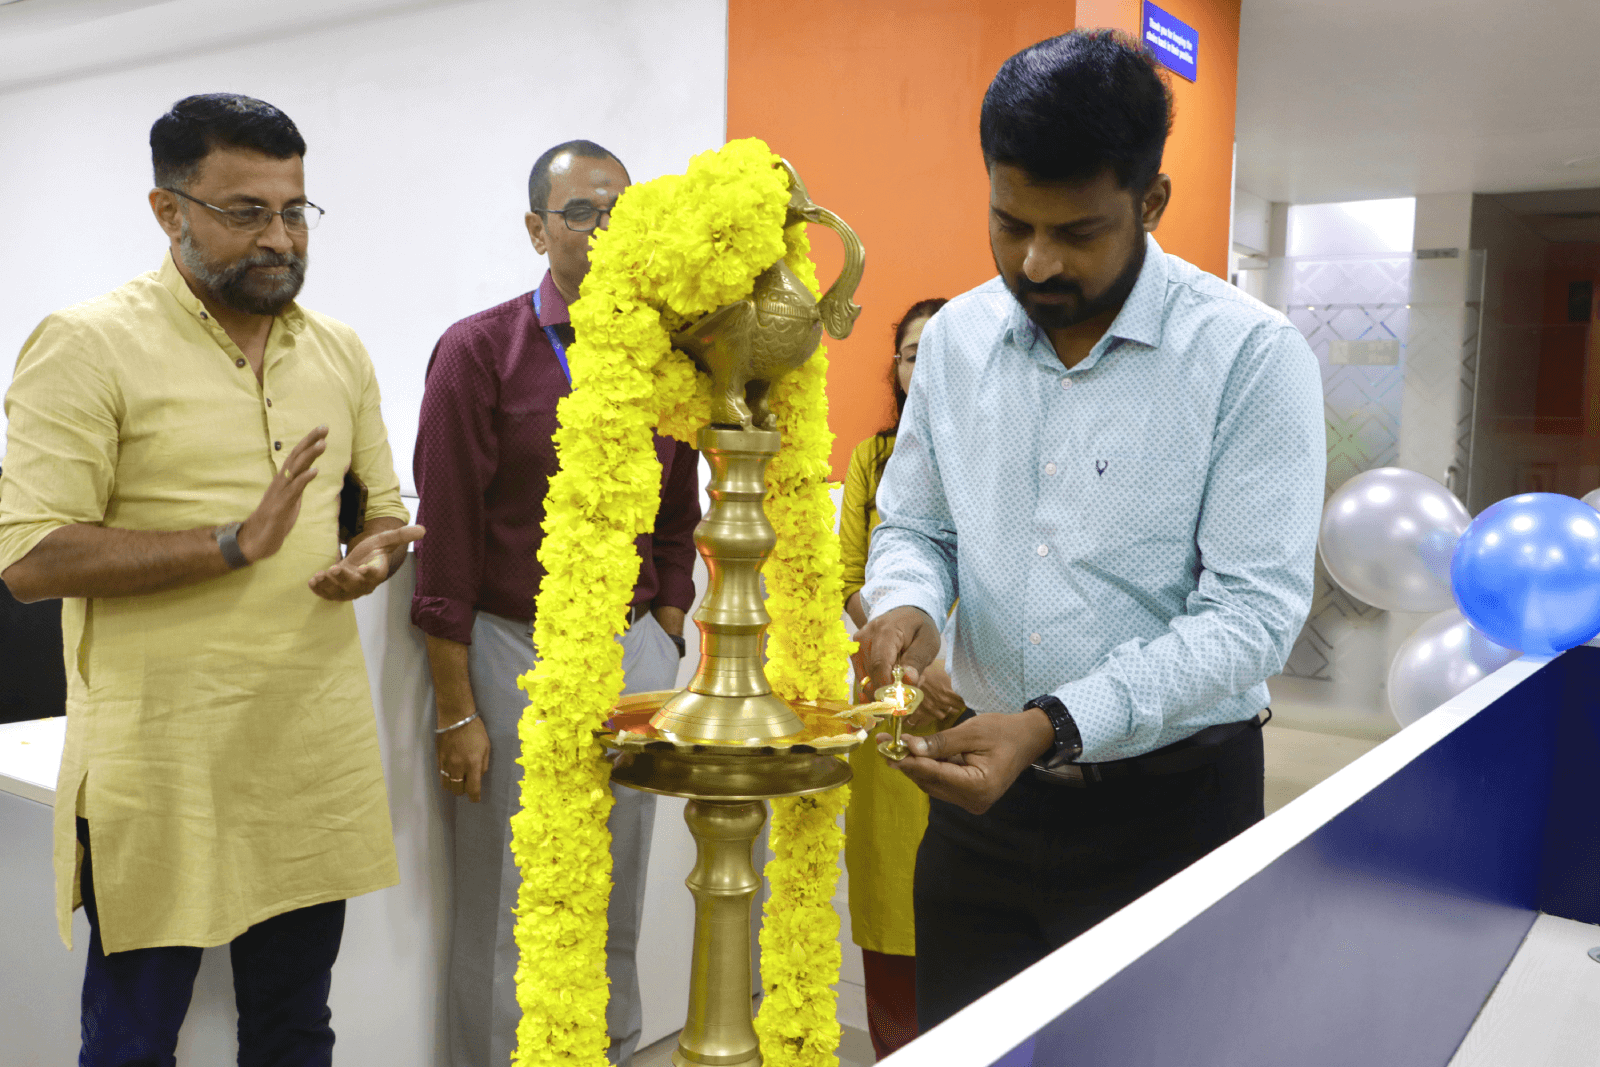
(1100,466)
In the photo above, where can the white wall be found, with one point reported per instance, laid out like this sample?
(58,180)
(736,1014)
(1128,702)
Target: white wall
(421,120)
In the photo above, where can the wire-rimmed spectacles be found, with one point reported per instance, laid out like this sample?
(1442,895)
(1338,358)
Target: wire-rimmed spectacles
(255,217)
(580,217)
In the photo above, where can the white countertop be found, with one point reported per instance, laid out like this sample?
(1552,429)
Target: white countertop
(30,757)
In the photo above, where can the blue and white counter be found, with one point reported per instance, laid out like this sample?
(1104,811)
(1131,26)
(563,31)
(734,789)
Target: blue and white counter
(1430,904)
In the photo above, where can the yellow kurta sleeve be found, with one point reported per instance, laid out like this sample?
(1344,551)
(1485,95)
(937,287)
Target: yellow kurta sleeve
(857,512)
(62,440)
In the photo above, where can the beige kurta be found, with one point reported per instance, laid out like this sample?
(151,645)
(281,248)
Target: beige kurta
(220,737)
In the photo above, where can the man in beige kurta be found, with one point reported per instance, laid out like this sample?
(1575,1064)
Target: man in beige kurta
(221,758)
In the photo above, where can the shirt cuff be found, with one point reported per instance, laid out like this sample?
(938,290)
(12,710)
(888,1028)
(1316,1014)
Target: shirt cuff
(1101,718)
(18,539)
(443,617)
(389,511)
(674,589)
(904,598)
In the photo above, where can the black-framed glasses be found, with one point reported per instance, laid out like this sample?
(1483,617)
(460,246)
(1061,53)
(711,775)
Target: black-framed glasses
(580,218)
(253,218)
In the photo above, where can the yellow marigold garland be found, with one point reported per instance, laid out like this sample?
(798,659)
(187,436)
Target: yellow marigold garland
(677,248)
(807,659)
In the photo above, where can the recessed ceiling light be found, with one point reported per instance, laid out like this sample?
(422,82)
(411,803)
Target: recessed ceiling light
(1583,161)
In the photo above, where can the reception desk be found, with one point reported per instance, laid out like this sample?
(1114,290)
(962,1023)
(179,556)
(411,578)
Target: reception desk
(1432,903)
(387,986)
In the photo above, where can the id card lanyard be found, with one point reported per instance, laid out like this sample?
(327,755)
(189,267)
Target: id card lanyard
(555,339)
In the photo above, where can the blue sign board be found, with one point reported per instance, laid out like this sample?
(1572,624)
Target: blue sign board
(1175,42)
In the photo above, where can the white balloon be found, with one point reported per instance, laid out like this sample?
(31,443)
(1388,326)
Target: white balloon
(1445,657)
(1592,498)
(1387,537)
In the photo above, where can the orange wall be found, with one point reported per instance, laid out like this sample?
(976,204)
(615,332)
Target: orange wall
(876,104)
(1200,152)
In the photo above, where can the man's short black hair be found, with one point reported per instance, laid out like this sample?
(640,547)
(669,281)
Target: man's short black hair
(184,136)
(539,177)
(1066,109)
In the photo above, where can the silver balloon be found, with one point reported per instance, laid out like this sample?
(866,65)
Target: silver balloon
(1387,537)
(1592,498)
(1443,658)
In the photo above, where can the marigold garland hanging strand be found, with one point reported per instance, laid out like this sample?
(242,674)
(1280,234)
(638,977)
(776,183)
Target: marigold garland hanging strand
(678,247)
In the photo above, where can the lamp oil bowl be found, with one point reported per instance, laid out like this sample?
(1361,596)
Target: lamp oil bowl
(898,700)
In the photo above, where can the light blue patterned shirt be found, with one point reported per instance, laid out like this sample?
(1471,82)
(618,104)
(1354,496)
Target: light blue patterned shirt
(1134,535)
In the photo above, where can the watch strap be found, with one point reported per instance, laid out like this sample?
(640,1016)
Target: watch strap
(1069,742)
(228,540)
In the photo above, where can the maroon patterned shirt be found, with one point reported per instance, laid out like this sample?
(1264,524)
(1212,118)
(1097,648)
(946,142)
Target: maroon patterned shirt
(485,454)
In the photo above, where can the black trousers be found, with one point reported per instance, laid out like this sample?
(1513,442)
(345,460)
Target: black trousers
(134,1002)
(995,893)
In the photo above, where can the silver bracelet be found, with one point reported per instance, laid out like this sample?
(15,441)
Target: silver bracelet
(456,725)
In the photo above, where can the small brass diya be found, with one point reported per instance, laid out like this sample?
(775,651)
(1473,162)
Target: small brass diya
(898,700)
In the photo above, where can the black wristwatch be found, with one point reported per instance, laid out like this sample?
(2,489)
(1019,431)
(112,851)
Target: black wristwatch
(1069,743)
(228,540)
(682,643)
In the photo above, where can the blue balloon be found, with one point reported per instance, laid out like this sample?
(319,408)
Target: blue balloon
(1527,573)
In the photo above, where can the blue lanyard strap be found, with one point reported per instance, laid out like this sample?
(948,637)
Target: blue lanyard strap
(555,340)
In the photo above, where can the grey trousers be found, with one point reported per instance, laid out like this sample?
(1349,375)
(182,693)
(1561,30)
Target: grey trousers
(482,998)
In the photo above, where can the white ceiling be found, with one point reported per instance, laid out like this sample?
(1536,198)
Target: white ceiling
(1361,99)
(46,40)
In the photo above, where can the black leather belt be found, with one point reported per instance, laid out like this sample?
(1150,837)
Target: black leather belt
(1194,751)
(637,612)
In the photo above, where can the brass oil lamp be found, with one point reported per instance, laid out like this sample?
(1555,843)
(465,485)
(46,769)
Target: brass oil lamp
(727,743)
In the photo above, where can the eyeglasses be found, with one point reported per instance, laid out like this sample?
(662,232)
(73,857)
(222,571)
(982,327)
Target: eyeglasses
(254,218)
(580,218)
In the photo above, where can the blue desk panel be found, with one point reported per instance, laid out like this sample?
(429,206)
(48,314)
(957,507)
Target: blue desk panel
(1377,939)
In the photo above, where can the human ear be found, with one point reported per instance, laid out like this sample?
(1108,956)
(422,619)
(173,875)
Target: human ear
(169,214)
(536,232)
(1154,202)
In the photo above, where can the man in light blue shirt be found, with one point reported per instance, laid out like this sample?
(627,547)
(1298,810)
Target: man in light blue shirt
(1115,461)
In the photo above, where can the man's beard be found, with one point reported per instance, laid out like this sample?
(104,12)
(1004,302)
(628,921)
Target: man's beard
(1078,309)
(235,287)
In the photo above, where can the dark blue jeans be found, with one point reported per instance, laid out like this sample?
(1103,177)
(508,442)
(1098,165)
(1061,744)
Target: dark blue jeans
(134,1002)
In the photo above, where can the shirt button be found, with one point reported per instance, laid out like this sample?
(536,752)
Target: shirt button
(277,446)
(1050,468)
(1034,639)
(269,401)
(1066,383)
(1044,550)
(238,363)
(203,315)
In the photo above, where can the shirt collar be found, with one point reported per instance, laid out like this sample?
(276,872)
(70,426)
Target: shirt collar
(553,309)
(1140,319)
(1142,313)
(291,317)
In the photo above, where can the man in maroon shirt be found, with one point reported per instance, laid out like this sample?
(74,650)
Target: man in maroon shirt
(485,455)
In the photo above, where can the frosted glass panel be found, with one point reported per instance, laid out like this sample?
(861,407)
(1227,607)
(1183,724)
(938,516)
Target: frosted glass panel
(1397,379)
(1357,227)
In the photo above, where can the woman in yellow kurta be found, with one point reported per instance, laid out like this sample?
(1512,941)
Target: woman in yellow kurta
(886,814)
